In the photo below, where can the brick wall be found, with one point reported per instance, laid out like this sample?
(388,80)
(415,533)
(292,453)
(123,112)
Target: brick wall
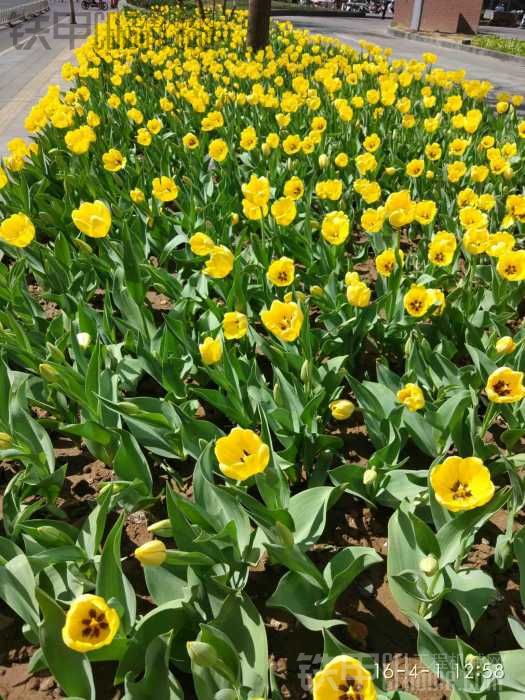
(447,16)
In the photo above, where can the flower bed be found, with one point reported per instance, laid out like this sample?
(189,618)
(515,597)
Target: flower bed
(514,46)
(262,371)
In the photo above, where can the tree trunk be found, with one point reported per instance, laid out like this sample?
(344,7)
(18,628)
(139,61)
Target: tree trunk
(259,23)
(201,8)
(72,12)
(223,7)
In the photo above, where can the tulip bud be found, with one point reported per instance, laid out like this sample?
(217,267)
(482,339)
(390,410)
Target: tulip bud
(277,393)
(234,218)
(316,290)
(324,161)
(49,373)
(130,409)
(162,528)
(5,441)
(428,565)
(202,654)
(390,170)
(369,476)
(82,246)
(306,371)
(52,536)
(341,409)
(472,660)
(503,553)
(505,345)
(83,340)
(430,174)
(151,553)
(266,150)
(56,353)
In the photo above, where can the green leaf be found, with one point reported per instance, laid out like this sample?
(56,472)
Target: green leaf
(518,630)
(130,463)
(471,593)
(409,541)
(17,589)
(71,669)
(519,551)
(300,597)
(111,582)
(158,681)
(92,531)
(345,566)
(447,658)
(164,618)
(308,510)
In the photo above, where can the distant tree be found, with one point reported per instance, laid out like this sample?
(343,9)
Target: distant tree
(259,23)
(201,8)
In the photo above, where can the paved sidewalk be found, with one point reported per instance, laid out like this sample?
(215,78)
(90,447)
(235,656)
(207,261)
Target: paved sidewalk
(31,57)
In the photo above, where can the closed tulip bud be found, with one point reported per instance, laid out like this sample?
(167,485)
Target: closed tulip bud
(234,218)
(49,373)
(162,528)
(53,536)
(390,170)
(266,150)
(202,654)
(324,161)
(505,345)
(5,441)
(113,486)
(151,553)
(472,660)
(83,340)
(369,476)
(341,409)
(210,350)
(316,290)
(428,565)
(130,409)
(277,393)
(82,246)
(56,353)
(503,553)
(430,174)
(186,180)
(306,372)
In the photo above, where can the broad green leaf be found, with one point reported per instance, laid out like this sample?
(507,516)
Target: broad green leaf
(471,592)
(111,582)
(158,681)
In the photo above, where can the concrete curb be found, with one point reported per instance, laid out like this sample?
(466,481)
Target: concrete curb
(412,36)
